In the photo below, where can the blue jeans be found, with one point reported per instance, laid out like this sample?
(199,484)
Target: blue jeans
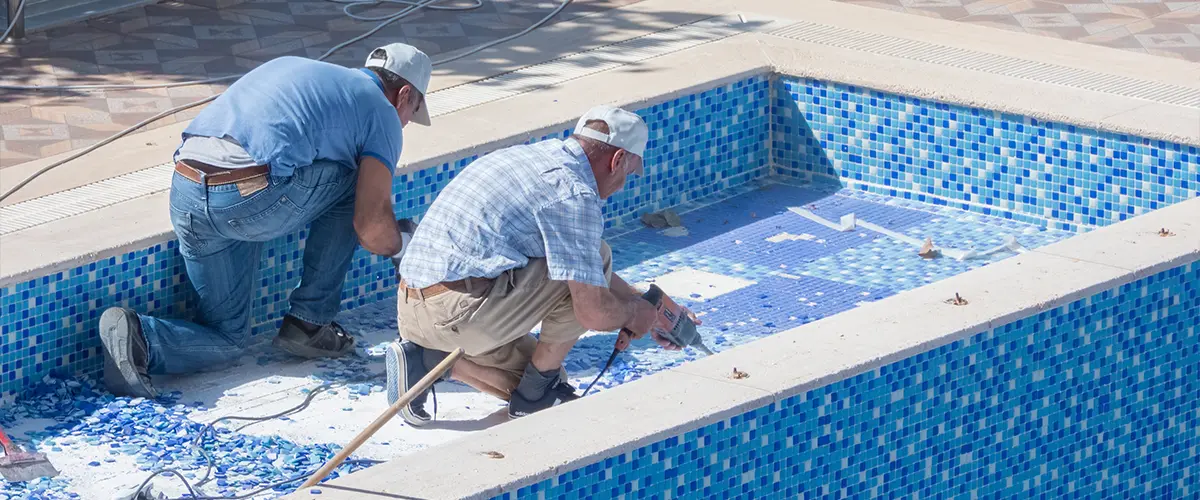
(221,235)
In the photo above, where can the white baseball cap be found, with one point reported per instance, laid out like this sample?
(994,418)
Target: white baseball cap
(409,63)
(626,130)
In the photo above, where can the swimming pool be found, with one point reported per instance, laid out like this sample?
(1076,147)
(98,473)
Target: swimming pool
(1089,397)
(974,413)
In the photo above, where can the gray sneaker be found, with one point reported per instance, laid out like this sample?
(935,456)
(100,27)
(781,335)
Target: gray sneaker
(405,363)
(126,355)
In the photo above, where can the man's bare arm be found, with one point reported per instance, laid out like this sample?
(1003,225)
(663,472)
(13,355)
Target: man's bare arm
(600,309)
(621,289)
(374,218)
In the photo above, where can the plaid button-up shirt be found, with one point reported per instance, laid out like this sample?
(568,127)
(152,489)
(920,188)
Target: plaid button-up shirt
(518,203)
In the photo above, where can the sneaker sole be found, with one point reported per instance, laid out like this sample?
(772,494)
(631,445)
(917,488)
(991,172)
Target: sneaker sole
(120,376)
(397,377)
(303,351)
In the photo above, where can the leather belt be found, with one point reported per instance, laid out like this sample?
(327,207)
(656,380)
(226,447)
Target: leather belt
(217,176)
(462,286)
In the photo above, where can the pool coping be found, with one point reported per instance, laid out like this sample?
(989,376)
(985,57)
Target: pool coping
(141,222)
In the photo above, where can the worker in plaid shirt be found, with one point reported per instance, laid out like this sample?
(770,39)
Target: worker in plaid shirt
(512,241)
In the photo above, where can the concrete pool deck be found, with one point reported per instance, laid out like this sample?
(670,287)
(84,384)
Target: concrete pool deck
(702,393)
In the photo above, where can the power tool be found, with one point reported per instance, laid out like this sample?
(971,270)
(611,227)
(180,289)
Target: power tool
(673,325)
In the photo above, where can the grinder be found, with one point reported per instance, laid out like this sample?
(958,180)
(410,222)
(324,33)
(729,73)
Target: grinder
(673,325)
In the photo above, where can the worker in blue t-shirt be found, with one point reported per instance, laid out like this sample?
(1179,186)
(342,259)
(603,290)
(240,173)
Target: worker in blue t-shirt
(293,142)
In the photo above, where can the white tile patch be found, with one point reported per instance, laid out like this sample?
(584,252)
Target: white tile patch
(685,282)
(786,236)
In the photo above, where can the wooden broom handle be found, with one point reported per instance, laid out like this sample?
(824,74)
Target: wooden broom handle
(428,380)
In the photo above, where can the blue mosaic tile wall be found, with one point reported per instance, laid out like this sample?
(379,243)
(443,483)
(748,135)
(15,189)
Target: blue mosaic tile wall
(699,144)
(974,159)
(1096,398)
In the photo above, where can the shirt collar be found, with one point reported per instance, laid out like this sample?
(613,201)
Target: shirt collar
(581,166)
(374,77)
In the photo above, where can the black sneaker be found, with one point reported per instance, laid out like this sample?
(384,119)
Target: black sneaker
(126,355)
(329,341)
(558,393)
(405,364)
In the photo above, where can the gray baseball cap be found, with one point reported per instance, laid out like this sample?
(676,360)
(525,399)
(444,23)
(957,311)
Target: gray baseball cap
(408,63)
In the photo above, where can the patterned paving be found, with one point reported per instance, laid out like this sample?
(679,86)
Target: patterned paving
(196,39)
(1159,27)
(181,41)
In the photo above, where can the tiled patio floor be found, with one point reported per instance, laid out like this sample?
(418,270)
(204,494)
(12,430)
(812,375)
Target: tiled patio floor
(1159,27)
(197,39)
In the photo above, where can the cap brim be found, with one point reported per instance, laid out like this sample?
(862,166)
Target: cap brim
(640,169)
(421,117)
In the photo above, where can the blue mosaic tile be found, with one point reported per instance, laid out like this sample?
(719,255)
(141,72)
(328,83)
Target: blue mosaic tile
(700,145)
(782,240)
(975,159)
(726,216)
(1093,399)
(654,267)
(883,262)
(774,304)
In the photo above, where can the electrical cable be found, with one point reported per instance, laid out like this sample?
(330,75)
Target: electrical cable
(210,429)
(351,3)
(11,24)
(412,7)
(24,182)
(612,357)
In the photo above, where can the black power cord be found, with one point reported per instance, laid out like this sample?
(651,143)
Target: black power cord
(210,429)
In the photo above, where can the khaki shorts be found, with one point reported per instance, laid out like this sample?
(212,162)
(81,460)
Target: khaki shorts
(492,325)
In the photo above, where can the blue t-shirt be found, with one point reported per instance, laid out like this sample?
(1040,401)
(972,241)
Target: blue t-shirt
(292,111)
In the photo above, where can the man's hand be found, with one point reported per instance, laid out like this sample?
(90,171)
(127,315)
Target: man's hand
(691,315)
(645,315)
(406,227)
(660,323)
